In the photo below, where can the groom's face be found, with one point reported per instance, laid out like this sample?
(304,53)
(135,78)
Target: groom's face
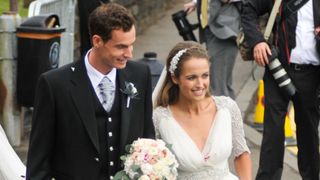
(118,50)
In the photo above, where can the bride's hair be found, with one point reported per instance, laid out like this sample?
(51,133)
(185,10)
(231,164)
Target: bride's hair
(169,91)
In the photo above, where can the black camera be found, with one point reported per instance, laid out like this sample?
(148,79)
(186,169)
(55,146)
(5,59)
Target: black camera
(280,75)
(184,27)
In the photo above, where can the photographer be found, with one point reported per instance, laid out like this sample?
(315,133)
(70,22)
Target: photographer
(295,40)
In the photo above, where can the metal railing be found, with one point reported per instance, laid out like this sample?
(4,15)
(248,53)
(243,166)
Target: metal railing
(65,9)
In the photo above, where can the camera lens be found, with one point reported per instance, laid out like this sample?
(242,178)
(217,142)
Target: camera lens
(280,75)
(184,27)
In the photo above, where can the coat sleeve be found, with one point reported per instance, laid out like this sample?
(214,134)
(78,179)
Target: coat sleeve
(251,11)
(42,133)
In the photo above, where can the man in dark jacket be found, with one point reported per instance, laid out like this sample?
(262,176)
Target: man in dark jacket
(294,38)
(87,112)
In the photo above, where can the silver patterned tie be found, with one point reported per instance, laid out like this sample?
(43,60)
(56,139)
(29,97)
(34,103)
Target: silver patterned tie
(107,91)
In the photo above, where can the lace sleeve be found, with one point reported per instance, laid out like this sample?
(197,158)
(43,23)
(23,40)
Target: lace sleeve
(156,121)
(239,144)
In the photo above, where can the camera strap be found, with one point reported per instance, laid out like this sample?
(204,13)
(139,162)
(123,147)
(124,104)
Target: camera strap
(272,19)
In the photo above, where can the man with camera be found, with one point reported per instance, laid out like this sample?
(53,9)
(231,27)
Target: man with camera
(295,41)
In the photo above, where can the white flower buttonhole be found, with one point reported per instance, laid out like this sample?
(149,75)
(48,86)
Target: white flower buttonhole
(130,90)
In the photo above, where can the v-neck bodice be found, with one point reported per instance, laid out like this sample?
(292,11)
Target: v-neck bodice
(212,162)
(191,142)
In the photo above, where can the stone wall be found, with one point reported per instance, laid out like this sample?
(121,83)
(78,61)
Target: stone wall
(146,12)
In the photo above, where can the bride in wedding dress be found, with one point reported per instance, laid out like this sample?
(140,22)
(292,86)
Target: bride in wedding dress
(11,167)
(204,130)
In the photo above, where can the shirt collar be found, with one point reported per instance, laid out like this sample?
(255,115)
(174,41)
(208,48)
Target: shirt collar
(95,76)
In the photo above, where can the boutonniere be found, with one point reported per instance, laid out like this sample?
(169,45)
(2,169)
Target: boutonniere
(130,90)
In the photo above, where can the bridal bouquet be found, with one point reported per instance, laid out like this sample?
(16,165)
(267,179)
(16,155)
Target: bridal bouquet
(148,159)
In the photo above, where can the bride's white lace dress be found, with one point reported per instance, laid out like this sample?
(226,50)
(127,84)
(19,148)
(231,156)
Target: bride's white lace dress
(226,137)
(11,167)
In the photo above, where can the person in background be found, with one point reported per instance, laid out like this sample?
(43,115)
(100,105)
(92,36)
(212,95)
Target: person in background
(204,130)
(87,112)
(85,7)
(295,40)
(219,27)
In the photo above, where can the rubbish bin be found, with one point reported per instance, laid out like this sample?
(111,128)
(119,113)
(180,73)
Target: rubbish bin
(150,59)
(38,41)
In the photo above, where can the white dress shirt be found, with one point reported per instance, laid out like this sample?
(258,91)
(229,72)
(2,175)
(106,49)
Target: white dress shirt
(305,51)
(95,76)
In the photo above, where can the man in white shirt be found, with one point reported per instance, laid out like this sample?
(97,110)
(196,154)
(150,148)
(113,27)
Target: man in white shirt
(295,40)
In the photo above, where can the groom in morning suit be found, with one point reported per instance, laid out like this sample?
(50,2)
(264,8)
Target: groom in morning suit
(73,137)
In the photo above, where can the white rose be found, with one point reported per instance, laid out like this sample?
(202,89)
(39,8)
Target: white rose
(144,177)
(134,90)
(127,164)
(158,168)
(161,143)
(146,169)
(132,174)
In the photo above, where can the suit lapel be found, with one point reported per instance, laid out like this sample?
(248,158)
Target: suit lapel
(125,112)
(82,96)
(316,15)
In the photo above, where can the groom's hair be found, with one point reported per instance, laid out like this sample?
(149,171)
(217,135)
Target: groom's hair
(108,17)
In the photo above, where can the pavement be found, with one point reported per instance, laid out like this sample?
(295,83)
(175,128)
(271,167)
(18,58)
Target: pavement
(162,36)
